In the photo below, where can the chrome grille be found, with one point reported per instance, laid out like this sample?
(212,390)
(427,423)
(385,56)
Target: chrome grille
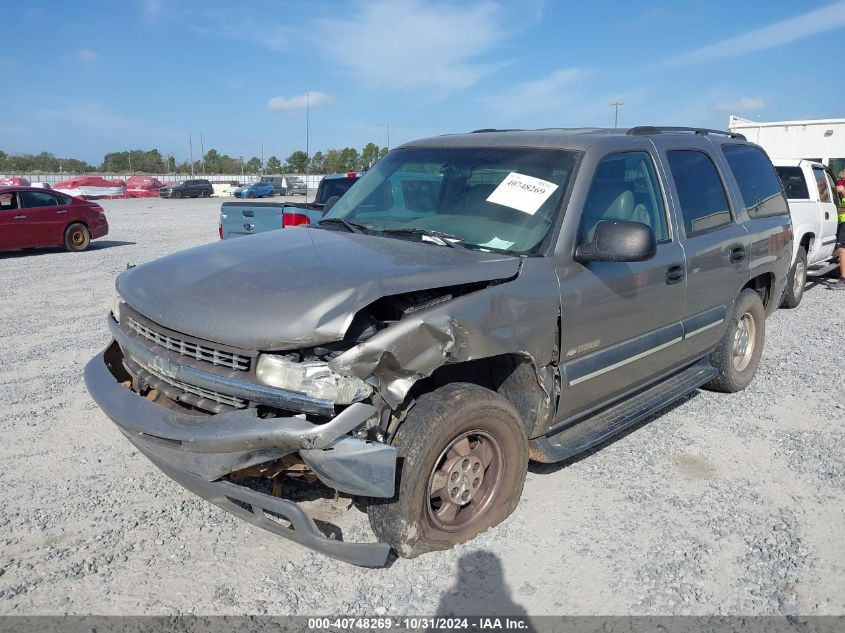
(187,348)
(216,396)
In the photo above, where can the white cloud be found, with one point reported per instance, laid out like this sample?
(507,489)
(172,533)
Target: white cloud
(299,102)
(743,104)
(86,55)
(152,10)
(537,96)
(412,44)
(771,36)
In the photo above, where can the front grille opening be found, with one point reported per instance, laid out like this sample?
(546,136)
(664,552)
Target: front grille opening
(183,347)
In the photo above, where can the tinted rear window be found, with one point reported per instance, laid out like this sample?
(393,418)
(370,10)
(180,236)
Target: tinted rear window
(335,187)
(701,194)
(759,185)
(32,199)
(794,184)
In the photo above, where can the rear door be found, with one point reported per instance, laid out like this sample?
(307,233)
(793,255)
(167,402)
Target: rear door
(621,322)
(829,216)
(45,217)
(716,243)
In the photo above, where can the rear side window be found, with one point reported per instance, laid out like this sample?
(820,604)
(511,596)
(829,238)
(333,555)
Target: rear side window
(794,185)
(759,185)
(8,201)
(32,199)
(704,204)
(821,183)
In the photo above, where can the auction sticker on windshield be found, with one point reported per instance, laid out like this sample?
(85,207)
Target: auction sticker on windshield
(523,193)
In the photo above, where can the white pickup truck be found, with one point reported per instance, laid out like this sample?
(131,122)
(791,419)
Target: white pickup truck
(811,191)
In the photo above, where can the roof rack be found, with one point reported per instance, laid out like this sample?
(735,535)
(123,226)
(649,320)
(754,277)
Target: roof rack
(644,130)
(492,129)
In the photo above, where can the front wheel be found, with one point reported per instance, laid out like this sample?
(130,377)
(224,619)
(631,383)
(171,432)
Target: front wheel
(77,238)
(796,281)
(738,354)
(250,195)
(177,194)
(464,456)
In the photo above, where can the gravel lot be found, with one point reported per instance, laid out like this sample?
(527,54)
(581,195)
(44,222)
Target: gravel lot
(726,504)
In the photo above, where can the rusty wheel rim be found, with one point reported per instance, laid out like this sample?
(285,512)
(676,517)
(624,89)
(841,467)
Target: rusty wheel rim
(465,481)
(77,238)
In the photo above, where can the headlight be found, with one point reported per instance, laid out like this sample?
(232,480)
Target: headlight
(115,303)
(312,378)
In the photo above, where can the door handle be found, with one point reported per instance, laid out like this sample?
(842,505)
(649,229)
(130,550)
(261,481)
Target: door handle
(827,215)
(674,274)
(737,254)
(20,217)
(61,212)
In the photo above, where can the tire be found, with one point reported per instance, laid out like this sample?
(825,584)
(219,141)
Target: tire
(271,194)
(176,194)
(737,357)
(77,238)
(204,193)
(250,195)
(447,437)
(796,281)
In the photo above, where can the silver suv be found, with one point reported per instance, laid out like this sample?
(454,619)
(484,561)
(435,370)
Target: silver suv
(533,295)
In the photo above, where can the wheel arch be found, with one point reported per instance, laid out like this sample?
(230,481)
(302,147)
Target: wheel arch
(763,285)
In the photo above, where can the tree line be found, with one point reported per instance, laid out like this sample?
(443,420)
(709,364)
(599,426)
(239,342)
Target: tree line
(212,162)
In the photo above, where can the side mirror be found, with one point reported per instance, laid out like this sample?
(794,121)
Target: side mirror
(330,203)
(618,241)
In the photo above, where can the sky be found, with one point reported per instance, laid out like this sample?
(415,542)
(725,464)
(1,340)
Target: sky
(87,78)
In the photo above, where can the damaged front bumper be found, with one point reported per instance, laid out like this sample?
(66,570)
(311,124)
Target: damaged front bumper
(198,450)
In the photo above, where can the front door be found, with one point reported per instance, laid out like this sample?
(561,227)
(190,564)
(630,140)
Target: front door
(621,321)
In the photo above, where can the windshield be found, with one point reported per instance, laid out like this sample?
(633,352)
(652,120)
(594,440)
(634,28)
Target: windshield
(498,199)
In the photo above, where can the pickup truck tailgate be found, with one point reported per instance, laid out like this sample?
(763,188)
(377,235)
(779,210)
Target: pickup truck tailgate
(248,218)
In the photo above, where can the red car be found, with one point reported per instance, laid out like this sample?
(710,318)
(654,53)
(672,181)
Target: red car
(31,217)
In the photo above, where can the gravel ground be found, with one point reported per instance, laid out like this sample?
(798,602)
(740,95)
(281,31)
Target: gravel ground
(726,504)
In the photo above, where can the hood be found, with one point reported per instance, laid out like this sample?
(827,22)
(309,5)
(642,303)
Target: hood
(293,288)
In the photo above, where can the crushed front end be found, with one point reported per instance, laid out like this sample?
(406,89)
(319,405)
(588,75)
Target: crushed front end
(200,412)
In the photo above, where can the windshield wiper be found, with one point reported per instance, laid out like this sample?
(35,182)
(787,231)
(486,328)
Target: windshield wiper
(444,239)
(352,227)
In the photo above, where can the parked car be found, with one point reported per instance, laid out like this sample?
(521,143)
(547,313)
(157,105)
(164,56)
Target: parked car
(570,284)
(196,188)
(259,218)
(287,185)
(811,192)
(255,190)
(238,219)
(31,217)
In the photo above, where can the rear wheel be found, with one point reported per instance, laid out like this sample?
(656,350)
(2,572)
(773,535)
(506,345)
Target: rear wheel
(464,456)
(738,354)
(204,193)
(796,281)
(77,238)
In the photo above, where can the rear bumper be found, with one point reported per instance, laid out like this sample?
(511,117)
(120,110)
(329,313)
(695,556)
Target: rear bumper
(99,228)
(198,450)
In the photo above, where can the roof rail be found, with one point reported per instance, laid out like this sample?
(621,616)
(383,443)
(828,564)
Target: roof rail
(492,129)
(644,130)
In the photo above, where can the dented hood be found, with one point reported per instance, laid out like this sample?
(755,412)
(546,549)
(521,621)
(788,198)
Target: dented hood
(294,287)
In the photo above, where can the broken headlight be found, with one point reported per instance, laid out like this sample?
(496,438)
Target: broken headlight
(314,379)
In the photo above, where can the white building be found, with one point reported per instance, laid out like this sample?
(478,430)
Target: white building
(816,139)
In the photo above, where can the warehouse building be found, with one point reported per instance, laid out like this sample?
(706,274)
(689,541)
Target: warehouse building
(821,140)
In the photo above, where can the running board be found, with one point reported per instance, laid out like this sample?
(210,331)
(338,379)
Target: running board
(580,435)
(818,272)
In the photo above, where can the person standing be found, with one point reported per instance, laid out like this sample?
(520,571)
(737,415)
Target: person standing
(840,231)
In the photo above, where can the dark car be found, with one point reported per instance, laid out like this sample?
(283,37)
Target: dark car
(287,185)
(197,188)
(537,292)
(31,217)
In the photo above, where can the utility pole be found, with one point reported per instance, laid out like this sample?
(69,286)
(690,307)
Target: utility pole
(129,154)
(262,156)
(616,105)
(307,125)
(388,136)
(202,149)
(191,153)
